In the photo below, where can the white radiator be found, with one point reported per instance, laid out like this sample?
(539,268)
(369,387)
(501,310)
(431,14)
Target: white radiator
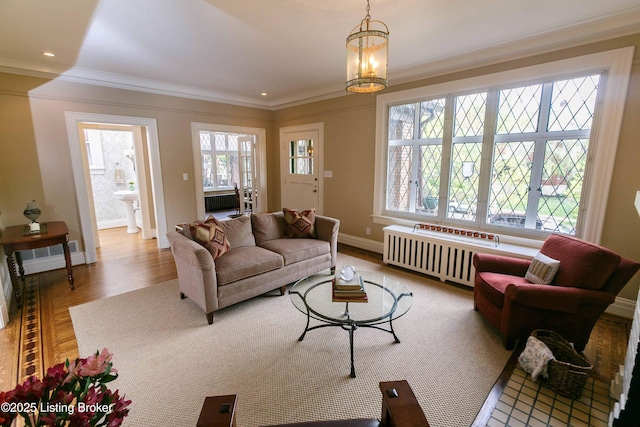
(442,255)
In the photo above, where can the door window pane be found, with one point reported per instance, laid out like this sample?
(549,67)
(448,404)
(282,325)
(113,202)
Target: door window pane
(301,157)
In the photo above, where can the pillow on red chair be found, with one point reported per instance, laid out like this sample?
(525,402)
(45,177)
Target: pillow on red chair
(542,269)
(582,264)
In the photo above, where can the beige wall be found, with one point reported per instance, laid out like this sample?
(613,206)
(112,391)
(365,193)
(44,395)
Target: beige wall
(35,158)
(350,144)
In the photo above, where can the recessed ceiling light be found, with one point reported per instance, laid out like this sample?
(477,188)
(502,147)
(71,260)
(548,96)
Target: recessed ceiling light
(50,54)
(264,94)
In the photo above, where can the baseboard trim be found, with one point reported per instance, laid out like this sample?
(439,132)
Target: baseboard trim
(359,242)
(622,307)
(52,263)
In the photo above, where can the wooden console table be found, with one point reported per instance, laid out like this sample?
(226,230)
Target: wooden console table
(14,239)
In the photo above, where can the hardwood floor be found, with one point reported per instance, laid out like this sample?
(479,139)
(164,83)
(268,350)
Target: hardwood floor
(127,262)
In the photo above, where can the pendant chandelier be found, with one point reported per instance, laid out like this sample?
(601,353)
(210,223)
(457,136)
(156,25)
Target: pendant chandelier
(367,51)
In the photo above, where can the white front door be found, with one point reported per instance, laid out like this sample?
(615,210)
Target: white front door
(301,160)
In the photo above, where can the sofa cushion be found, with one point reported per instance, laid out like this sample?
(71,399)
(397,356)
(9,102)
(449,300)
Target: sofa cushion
(267,226)
(493,285)
(299,224)
(542,269)
(238,231)
(210,235)
(246,261)
(295,250)
(582,264)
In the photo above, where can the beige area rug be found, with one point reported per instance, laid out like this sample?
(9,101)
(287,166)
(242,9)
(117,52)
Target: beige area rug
(169,359)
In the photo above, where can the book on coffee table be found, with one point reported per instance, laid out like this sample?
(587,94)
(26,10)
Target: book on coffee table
(352,291)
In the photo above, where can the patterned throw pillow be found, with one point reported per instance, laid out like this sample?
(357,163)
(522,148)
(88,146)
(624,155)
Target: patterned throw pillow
(299,224)
(210,235)
(542,269)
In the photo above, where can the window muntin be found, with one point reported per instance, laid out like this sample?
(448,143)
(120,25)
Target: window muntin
(219,154)
(525,189)
(301,157)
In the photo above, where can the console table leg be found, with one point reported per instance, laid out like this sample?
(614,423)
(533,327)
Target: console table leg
(14,280)
(20,267)
(67,260)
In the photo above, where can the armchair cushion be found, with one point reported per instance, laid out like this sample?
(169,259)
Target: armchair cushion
(582,264)
(542,269)
(494,285)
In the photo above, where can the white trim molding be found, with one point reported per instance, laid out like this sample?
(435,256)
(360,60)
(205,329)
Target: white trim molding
(74,119)
(616,66)
(261,144)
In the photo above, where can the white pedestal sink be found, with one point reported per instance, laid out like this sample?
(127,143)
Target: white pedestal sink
(128,197)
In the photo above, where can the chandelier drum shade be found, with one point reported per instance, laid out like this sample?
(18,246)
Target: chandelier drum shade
(367,52)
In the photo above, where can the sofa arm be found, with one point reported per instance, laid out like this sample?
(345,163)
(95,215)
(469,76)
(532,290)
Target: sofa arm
(189,252)
(327,229)
(196,272)
(556,298)
(501,264)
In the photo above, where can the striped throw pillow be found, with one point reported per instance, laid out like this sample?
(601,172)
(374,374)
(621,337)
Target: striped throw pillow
(542,269)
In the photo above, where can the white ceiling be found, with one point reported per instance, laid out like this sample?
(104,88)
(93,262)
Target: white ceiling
(294,50)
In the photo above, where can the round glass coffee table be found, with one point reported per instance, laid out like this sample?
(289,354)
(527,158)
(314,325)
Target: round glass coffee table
(386,301)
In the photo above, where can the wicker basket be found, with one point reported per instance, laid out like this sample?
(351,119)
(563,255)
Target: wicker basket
(569,371)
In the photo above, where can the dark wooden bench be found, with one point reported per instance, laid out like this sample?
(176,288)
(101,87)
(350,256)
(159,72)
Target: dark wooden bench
(400,408)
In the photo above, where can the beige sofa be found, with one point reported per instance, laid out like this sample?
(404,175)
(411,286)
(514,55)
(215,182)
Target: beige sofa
(260,259)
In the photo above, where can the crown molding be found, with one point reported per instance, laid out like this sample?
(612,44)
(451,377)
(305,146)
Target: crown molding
(590,31)
(586,32)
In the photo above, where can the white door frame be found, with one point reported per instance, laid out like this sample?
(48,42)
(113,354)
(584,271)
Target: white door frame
(73,120)
(319,153)
(261,173)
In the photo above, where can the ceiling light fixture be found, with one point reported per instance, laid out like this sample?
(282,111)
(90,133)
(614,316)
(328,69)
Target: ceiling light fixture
(367,52)
(50,54)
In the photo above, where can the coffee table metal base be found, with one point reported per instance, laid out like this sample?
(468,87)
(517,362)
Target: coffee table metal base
(349,327)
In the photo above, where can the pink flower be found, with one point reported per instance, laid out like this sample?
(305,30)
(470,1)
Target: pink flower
(74,368)
(96,365)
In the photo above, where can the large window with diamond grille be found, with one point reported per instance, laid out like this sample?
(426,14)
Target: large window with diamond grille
(512,157)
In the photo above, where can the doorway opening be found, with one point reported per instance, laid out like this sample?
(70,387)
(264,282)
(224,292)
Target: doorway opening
(112,153)
(230,169)
(116,166)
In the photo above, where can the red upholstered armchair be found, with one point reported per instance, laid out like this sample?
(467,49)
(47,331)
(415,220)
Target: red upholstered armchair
(587,281)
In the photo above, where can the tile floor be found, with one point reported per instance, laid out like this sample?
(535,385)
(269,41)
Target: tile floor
(527,403)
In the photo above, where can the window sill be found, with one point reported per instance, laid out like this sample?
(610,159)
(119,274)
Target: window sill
(504,238)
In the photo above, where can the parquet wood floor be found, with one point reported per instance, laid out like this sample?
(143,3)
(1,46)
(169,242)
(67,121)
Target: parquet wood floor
(127,262)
